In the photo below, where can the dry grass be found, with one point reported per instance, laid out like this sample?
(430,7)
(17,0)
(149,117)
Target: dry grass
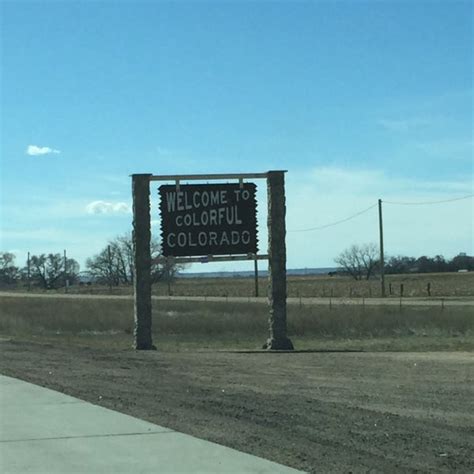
(442,285)
(244,325)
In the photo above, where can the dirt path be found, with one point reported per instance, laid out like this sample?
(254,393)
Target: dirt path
(321,412)
(412,301)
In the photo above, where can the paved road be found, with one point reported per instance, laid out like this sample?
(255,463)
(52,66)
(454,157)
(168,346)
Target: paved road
(43,431)
(413,301)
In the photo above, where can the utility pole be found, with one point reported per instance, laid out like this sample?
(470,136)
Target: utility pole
(29,272)
(382,264)
(66,282)
(109,257)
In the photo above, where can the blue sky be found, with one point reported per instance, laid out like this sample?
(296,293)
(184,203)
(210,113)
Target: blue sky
(357,100)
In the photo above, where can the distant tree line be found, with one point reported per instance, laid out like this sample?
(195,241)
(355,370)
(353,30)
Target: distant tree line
(112,266)
(363,261)
(48,271)
(437,264)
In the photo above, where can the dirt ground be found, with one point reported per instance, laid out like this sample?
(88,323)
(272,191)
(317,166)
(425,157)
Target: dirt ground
(319,412)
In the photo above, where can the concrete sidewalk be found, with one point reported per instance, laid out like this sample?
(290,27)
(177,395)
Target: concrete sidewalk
(43,431)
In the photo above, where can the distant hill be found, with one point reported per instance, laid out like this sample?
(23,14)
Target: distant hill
(262,273)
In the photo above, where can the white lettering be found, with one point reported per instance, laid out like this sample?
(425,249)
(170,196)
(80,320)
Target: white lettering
(202,239)
(231,214)
(179,200)
(171,201)
(237,220)
(212,238)
(235,237)
(213,217)
(221,212)
(224,239)
(168,240)
(214,198)
(182,239)
(187,205)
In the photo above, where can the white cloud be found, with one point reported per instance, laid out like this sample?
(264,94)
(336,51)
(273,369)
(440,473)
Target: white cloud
(104,207)
(34,150)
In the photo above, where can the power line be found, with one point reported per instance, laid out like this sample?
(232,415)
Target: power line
(428,202)
(335,223)
(374,205)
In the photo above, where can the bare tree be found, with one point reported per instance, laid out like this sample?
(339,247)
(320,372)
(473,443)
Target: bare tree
(9,272)
(48,271)
(114,264)
(360,261)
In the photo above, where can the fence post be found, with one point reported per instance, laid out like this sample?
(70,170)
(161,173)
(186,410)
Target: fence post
(255,269)
(168,275)
(142,261)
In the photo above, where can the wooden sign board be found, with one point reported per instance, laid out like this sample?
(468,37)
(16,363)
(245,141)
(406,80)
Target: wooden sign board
(208,219)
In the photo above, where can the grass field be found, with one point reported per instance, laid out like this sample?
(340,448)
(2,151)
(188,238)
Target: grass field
(376,388)
(441,284)
(414,285)
(219,325)
(369,388)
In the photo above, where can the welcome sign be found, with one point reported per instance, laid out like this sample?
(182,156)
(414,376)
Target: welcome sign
(208,219)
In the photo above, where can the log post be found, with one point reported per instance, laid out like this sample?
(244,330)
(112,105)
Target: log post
(142,261)
(278,339)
